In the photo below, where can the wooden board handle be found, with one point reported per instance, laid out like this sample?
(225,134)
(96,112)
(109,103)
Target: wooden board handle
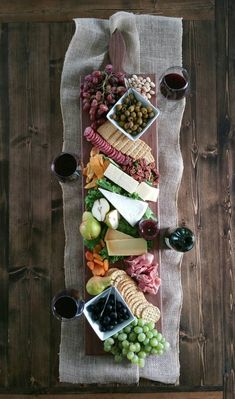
(117,51)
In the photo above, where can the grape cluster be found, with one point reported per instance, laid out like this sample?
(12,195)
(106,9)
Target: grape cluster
(99,91)
(135,342)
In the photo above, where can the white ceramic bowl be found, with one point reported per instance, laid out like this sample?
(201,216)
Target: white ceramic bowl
(104,335)
(145,102)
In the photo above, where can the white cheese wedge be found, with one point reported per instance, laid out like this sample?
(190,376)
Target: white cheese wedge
(121,178)
(112,234)
(147,193)
(132,210)
(134,246)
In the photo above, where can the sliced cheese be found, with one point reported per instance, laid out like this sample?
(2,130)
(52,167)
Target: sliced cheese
(134,246)
(112,234)
(121,178)
(147,192)
(132,210)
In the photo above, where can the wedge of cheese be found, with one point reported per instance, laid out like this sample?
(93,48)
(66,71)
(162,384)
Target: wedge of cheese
(121,178)
(133,246)
(112,234)
(147,192)
(132,210)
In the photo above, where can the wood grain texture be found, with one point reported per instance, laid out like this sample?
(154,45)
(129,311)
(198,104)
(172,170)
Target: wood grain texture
(55,10)
(168,395)
(29,202)
(201,321)
(225,19)
(4,204)
(31,59)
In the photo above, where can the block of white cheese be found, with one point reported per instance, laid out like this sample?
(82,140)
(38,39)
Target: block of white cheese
(131,209)
(147,192)
(134,246)
(121,178)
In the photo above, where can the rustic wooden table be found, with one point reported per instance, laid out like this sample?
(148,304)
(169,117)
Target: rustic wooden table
(34,38)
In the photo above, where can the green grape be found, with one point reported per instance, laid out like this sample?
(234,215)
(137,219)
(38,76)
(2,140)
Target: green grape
(159,336)
(137,347)
(145,329)
(154,351)
(138,330)
(122,337)
(125,344)
(130,355)
(141,337)
(132,347)
(154,342)
(155,333)
(118,358)
(160,352)
(107,348)
(135,359)
(115,335)
(141,362)
(141,322)
(114,351)
(109,341)
(159,346)
(142,354)
(127,329)
(148,348)
(132,337)
(151,325)
(125,351)
(146,341)
(163,340)
(134,323)
(149,334)
(119,344)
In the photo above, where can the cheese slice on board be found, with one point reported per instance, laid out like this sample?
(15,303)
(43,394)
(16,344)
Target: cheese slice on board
(112,234)
(134,246)
(147,192)
(132,210)
(121,178)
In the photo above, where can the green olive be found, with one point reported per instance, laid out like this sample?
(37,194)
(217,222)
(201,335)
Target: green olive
(118,107)
(143,110)
(151,115)
(122,117)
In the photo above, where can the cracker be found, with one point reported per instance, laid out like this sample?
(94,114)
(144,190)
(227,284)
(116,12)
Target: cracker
(115,136)
(151,313)
(140,308)
(120,144)
(106,130)
(116,273)
(127,147)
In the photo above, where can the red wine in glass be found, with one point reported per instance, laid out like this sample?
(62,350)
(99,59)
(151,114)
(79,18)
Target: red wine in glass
(66,167)
(67,305)
(174,84)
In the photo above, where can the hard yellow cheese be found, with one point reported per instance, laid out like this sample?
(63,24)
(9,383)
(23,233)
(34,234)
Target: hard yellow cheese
(134,246)
(112,234)
(147,192)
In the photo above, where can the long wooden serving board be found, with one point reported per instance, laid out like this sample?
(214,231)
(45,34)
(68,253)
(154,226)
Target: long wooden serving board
(93,345)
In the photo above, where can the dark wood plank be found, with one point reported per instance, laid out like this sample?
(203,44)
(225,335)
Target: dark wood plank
(60,36)
(201,321)
(4,209)
(168,395)
(30,207)
(225,29)
(47,10)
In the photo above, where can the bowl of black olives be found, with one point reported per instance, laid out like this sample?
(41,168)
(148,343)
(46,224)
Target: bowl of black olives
(132,114)
(108,313)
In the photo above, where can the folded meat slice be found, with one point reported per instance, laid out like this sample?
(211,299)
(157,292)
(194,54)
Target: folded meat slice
(145,271)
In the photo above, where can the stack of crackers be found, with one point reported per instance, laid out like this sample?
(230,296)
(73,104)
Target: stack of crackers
(135,149)
(134,298)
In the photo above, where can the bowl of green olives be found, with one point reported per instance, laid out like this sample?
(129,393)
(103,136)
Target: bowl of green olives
(132,114)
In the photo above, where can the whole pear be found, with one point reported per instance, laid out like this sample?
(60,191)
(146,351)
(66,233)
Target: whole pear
(90,228)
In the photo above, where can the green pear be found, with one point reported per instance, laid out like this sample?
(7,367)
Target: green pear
(112,219)
(90,228)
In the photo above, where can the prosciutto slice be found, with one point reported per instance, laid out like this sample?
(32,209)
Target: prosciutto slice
(145,271)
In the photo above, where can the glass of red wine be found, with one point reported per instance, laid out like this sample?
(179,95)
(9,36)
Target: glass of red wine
(67,305)
(66,167)
(174,83)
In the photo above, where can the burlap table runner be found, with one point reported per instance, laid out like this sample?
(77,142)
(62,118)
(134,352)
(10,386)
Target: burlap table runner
(153,44)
